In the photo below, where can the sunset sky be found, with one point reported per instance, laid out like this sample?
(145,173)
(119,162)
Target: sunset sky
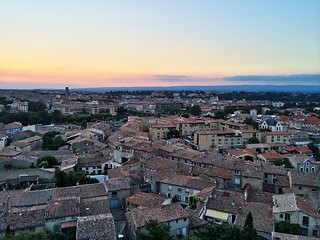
(125,43)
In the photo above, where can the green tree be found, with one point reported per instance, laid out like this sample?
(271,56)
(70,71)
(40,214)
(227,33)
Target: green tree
(8,231)
(51,160)
(195,110)
(286,227)
(56,116)
(84,124)
(249,221)
(40,235)
(315,150)
(36,106)
(253,140)
(58,142)
(251,122)
(156,231)
(44,164)
(8,142)
(173,134)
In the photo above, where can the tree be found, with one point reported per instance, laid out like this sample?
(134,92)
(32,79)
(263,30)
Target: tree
(51,160)
(58,142)
(157,231)
(72,179)
(286,227)
(40,235)
(173,134)
(56,116)
(9,140)
(44,164)
(248,231)
(195,110)
(8,231)
(253,140)
(249,221)
(315,150)
(251,122)
(36,106)
(84,124)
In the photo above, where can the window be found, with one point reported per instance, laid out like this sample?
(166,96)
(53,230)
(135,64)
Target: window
(237,172)
(301,169)
(187,190)
(237,181)
(305,221)
(304,231)
(287,217)
(169,187)
(179,190)
(281,215)
(312,169)
(315,233)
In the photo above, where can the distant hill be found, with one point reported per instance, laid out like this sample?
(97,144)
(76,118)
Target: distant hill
(226,88)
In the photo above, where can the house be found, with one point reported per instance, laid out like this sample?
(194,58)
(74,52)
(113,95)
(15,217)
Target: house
(297,210)
(22,220)
(221,177)
(298,149)
(304,163)
(172,215)
(270,157)
(28,144)
(12,128)
(92,163)
(55,209)
(232,207)
(259,147)
(300,138)
(276,137)
(181,186)
(6,154)
(228,138)
(3,140)
(304,184)
(145,199)
(272,124)
(97,227)
(286,236)
(247,154)
(311,124)
(118,191)
(62,213)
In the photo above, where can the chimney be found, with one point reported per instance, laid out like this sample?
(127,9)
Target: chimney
(246,192)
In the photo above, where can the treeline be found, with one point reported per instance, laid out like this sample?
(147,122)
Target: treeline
(271,96)
(43,117)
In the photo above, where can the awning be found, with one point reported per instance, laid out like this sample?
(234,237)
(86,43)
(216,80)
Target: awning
(69,224)
(217,214)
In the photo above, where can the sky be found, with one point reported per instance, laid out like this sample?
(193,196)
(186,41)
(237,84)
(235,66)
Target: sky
(126,43)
